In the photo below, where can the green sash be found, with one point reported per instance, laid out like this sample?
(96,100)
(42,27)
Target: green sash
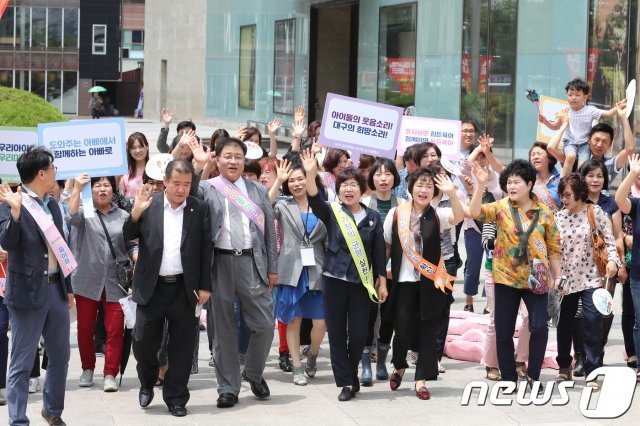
(356,248)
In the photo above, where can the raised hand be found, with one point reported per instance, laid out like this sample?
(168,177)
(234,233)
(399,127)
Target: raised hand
(167,117)
(13,200)
(283,171)
(316,148)
(199,153)
(241,132)
(298,128)
(563,115)
(309,163)
(481,173)
(621,108)
(486,142)
(274,125)
(299,114)
(142,201)
(634,164)
(444,184)
(187,137)
(81,181)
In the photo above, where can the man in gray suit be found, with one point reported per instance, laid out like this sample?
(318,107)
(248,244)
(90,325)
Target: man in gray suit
(244,265)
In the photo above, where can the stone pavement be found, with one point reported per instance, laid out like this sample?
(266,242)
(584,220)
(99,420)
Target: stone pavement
(317,402)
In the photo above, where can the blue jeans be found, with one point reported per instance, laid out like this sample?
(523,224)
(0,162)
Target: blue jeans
(473,245)
(635,295)
(506,312)
(592,336)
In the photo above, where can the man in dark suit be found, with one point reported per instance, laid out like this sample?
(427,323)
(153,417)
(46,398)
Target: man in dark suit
(38,295)
(173,273)
(245,266)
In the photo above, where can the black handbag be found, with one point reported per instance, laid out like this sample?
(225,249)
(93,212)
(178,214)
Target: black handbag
(124,271)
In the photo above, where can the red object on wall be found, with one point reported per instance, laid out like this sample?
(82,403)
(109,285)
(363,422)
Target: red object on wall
(403,70)
(3,6)
(592,65)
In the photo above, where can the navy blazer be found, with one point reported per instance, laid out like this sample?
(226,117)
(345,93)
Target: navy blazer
(28,262)
(338,261)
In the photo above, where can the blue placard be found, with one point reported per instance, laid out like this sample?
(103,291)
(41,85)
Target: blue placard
(96,147)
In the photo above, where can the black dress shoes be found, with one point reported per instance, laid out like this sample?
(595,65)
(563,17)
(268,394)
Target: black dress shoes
(145,397)
(178,410)
(259,389)
(346,394)
(227,400)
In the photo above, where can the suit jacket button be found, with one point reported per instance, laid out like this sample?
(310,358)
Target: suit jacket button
(46,255)
(46,272)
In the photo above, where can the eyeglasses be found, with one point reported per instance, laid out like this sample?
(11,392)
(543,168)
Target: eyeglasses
(468,131)
(566,195)
(352,185)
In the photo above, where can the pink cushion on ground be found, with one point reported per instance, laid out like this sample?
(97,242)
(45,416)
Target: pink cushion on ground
(464,350)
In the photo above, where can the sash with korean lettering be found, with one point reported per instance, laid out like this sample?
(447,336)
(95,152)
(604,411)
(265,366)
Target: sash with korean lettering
(356,248)
(60,249)
(543,194)
(246,205)
(438,274)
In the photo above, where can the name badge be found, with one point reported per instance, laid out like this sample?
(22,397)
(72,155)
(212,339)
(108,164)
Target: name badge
(308,256)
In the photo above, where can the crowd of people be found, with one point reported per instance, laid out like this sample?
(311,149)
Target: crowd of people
(311,245)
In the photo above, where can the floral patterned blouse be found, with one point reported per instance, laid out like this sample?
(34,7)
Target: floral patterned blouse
(543,244)
(577,254)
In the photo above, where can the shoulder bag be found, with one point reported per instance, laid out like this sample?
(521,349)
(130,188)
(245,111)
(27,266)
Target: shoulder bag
(600,256)
(124,271)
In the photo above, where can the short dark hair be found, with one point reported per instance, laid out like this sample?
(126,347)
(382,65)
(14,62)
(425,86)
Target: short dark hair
(179,166)
(311,130)
(110,179)
(366,161)
(593,164)
(389,166)
(61,183)
(552,160)
(577,84)
(520,168)
(252,131)
(577,184)
(602,127)
(351,173)
(30,162)
(332,158)
(475,129)
(420,173)
(230,141)
(185,124)
(215,136)
(252,166)
(410,153)
(437,168)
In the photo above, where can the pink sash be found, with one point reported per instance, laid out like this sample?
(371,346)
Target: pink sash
(540,189)
(60,249)
(238,199)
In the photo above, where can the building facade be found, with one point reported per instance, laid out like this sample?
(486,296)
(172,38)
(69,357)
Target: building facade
(251,60)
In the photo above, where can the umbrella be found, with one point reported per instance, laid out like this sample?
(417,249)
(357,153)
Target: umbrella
(126,351)
(97,89)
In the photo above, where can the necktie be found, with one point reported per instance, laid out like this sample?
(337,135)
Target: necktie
(236,227)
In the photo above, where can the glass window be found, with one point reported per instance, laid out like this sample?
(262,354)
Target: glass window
(488,67)
(38,28)
(6,78)
(70,39)
(99,40)
(133,39)
(22,79)
(397,55)
(6,28)
(54,88)
(38,83)
(23,27)
(54,28)
(70,92)
(284,66)
(247,83)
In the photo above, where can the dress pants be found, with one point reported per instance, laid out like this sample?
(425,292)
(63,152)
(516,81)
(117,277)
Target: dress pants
(506,307)
(4,343)
(169,301)
(238,276)
(627,319)
(347,307)
(592,337)
(475,252)
(27,325)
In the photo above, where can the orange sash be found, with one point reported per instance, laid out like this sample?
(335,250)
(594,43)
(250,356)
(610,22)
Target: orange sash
(438,274)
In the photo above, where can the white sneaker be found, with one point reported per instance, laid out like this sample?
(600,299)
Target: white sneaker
(86,379)
(441,367)
(34,384)
(3,398)
(109,384)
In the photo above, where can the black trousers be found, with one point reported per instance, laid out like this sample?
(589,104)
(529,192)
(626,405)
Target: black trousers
(628,319)
(169,301)
(346,308)
(411,330)
(386,327)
